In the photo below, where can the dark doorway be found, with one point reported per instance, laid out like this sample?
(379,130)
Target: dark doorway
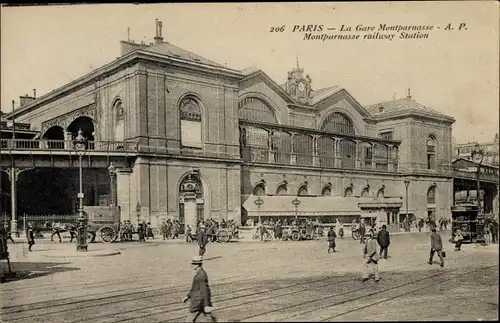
(55,137)
(86,124)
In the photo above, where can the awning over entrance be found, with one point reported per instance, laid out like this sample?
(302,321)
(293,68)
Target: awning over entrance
(386,202)
(309,206)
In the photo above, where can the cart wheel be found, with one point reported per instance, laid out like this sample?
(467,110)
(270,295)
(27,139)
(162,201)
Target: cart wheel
(303,233)
(90,237)
(223,236)
(295,236)
(108,234)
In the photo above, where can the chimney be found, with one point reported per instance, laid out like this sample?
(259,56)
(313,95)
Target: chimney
(409,94)
(26,99)
(34,93)
(158,38)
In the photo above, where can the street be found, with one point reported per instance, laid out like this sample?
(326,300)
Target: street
(253,281)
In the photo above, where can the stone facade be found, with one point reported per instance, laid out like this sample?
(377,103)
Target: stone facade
(151,82)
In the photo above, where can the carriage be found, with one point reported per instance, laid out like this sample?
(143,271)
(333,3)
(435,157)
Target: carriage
(227,234)
(103,221)
(302,230)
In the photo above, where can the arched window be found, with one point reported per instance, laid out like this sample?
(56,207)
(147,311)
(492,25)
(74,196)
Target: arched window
(281,190)
(431,195)
(119,121)
(259,190)
(327,191)
(191,133)
(348,192)
(302,191)
(338,123)
(380,193)
(255,109)
(365,192)
(326,151)
(431,153)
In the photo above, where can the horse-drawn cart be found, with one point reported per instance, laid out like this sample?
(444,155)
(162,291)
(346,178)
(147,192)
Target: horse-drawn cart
(227,234)
(103,221)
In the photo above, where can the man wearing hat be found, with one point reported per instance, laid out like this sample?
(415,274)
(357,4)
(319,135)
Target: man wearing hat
(199,294)
(31,236)
(202,239)
(384,240)
(371,258)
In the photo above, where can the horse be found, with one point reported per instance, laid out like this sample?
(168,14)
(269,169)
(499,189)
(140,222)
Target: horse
(58,228)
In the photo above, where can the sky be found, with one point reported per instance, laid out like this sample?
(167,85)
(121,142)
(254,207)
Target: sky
(454,72)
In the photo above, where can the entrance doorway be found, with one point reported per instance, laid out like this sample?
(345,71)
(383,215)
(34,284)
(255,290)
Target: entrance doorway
(191,202)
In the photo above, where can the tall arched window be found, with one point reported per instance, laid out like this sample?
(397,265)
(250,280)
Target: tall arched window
(255,109)
(380,193)
(191,133)
(119,121)
(302,191)
(259,190)
(431,195)
(431,153)
(365,192)
(341,124)
(338,123)
(281,190)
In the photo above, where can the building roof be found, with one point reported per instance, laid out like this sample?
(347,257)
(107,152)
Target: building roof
(401,105)
(174,51)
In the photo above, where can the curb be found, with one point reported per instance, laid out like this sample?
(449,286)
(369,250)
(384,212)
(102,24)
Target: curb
(88,254)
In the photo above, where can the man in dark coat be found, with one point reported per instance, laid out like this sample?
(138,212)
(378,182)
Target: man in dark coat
(362,231)
(436,246)
(331,239)
(202,240)
(31,236)
(384,241)
(199,294)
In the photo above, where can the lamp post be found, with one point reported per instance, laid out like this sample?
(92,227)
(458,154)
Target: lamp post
(477,156)
(296,204)
(81,241)
(111,170)
(407,183)
(259,202)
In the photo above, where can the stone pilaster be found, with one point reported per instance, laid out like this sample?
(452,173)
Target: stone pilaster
(123,193)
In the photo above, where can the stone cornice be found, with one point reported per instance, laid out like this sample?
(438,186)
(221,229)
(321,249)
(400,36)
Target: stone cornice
(414,113)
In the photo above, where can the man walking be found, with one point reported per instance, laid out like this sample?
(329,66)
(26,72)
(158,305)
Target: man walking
(371,258)
(384,241)
(31,236)
(331,239)
(436,246)
(202,240)
(199,294)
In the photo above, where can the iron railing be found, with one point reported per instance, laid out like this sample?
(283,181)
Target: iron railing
(66,145)
(41,222)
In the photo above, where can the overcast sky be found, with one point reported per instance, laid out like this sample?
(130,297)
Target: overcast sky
(453,72)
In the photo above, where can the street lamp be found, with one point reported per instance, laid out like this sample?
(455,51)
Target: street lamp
(111,170)
(296,203)
(259,202)
(81,241)
(407,183)
(477,157)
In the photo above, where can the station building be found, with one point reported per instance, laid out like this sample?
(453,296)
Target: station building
(209,141)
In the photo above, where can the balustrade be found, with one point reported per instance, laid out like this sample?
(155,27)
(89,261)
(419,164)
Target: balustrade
(66,145)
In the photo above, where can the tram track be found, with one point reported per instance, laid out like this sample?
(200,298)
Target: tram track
(109,298)
(164,309)
(249,305)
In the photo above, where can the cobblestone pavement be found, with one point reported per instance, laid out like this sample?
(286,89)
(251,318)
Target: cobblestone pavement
(258,282)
